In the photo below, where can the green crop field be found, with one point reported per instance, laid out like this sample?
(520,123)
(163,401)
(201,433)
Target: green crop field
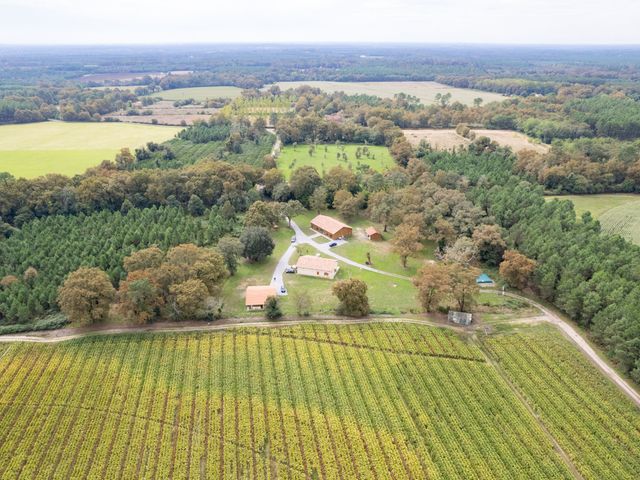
(618,213)
(325,157)
(378,400)
(198,93)
(34,149)
(425,91)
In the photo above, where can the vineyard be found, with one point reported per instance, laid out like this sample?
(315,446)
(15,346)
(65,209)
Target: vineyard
(313,401)
(259,107)
(591,420)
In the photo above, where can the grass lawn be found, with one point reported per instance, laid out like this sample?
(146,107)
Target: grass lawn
(386,294)
(253,274)
(198,93)
(34,149)
(618,213)
(324,158)
(358,245)
(425,91)
(382,257)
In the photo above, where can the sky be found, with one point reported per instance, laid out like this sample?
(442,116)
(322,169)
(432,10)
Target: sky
(301,21)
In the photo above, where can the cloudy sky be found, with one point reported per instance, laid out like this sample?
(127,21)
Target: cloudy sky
(251,21)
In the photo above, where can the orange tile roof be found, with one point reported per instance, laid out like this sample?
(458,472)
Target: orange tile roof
(371,231)
(328,224)
(257,295)
(317,263)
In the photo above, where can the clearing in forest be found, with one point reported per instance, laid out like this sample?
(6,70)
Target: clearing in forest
(425,91)
(377,400)
(448,139)
(69,148)
(325,157)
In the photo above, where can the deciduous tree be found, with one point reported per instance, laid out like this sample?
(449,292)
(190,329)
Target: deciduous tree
(231,248)
(517,269)
(86,295)
(490,244)
(318,199)
(188,298)
(352,294)
(257,243)
(143,259)
(433,284)
(463,286)
(406,242)
(291,209)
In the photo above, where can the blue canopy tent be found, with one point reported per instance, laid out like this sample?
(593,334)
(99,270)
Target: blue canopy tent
(484,279)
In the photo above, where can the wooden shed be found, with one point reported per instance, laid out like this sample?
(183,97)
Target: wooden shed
(373,234)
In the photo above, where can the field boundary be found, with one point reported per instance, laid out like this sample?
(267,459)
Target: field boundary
(567,330)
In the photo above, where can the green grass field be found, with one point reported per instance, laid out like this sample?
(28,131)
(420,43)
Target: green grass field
(618,213)
(198,93)
(378,400)
(425,91)
(325,157)
(34,149)
(387,295)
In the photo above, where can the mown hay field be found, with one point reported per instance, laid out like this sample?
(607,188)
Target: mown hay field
(448,139)
(34,149)
(425,91)
(378,400)
(618,214)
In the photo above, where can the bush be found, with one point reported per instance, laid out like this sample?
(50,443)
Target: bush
(50,323)
(272,309)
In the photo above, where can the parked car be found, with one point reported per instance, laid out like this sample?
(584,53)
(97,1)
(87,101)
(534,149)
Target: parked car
(333,244)
(293,239)
(282,289)
(289,270)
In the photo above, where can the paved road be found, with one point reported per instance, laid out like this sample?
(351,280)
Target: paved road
(303,238)
(573,335)
(277,279)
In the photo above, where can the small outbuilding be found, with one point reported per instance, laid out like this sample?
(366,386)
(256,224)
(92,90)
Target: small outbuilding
(373,234)
(484,280)
(317,266)
(256,296)
(330,227)
(461,318)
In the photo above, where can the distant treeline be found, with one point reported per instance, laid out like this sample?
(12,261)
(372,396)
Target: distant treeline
(25,105)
